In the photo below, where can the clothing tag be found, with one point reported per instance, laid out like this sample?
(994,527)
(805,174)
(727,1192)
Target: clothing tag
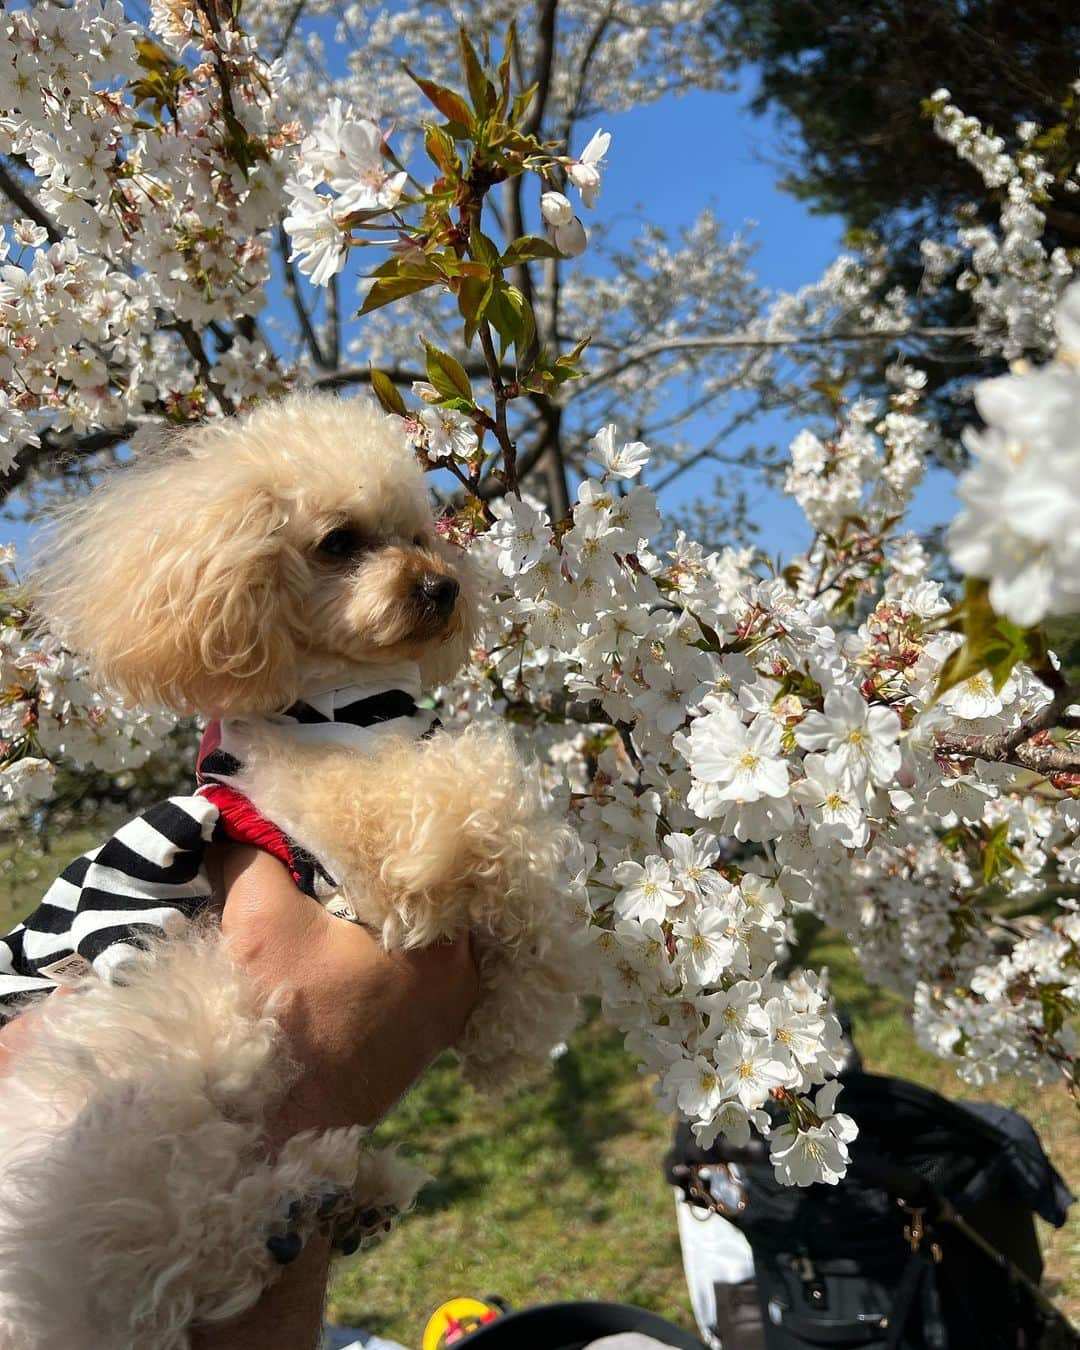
(73,967)
(339,906)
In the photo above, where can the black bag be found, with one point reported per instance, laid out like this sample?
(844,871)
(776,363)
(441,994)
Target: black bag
(928,1244)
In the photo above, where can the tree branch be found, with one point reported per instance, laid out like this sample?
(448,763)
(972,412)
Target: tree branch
(545,61)
(595,37)
(18,196)
(292,290)
(333,322)
(1025,746)
(65,444)
(340,379)
(747,341)
(293,20)
(193,343)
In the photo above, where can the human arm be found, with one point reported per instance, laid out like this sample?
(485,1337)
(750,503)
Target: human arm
(362,1023)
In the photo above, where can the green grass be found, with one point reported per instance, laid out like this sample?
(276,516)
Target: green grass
(26,870)
(557,1193)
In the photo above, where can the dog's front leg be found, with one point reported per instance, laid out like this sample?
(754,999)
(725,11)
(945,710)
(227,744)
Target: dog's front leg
(428,839)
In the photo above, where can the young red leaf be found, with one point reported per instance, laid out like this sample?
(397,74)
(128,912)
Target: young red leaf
(452,106)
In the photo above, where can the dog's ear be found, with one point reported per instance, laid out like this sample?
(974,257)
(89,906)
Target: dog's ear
(169,578)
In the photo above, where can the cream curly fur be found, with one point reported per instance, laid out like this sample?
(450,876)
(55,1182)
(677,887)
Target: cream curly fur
(453,838)
(137,1191)
(133,1194)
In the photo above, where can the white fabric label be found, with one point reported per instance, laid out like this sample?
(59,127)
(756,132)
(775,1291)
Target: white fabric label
(339,906)
(73,967)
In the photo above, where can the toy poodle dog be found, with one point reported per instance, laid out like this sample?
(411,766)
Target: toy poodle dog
(280,574)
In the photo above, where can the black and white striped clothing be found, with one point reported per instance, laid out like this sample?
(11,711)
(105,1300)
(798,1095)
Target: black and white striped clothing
(150,876)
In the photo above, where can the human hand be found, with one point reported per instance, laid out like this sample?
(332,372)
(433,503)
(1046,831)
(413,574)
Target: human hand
(362,1023)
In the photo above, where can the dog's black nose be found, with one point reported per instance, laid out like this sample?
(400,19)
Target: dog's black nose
(441,592)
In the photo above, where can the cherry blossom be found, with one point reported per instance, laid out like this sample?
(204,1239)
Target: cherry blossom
(584,172)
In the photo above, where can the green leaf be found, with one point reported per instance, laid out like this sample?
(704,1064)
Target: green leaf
(510,314)
(392,288)
(521,103)
(833,392)
(440,148)
(473,296)
(1056,1006)
(482,248)
(955,838)
(991,643)
(998,857)
(481,90)
(570,358)
(447,374)
(452,106)
(388,394)
(504,70)
(528,247)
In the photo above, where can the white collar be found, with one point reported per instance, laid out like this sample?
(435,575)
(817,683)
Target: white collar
(358,715)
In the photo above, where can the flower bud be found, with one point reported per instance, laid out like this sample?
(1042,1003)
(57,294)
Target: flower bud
(571,240)
(556,209)
(585,177)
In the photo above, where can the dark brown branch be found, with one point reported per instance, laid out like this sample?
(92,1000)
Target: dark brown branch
(595,37)
(492,487)
(541,77)
(1018,745)
(18,196)
(515,228)
(552,461)
(292,290)
(60,444)
(560,706)
(193,343)
(746,341)
(545,61)
(294,19)
(502,431)
(340,379)
(208,13)
(708,452)
(333,322)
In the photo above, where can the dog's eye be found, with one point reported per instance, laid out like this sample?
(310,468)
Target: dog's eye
(343,542)
(419,541)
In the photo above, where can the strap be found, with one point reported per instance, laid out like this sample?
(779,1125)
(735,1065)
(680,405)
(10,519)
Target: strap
(918,1275)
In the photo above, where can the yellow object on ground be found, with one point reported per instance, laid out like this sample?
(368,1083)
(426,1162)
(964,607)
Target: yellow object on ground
(453,1320)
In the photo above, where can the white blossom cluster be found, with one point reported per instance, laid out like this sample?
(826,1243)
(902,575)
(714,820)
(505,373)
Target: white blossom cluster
(343,153)
(150,228)
(868,471)
(686,939)
(1027,455)
(1013,278)
(49,713)
(741,758)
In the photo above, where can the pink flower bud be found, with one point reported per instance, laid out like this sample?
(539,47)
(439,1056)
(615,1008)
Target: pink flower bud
(585,177)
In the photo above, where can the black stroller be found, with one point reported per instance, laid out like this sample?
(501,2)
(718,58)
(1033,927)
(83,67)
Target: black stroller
(928,1244)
